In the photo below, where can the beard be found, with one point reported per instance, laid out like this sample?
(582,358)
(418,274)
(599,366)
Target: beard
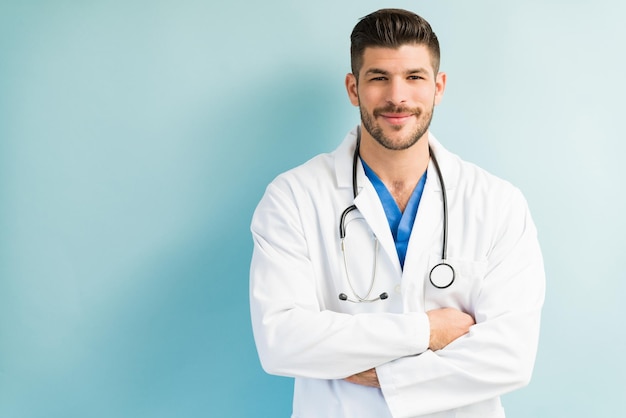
(376,131)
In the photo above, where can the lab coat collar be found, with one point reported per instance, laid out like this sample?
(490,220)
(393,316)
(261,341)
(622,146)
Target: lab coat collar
(343,161)
(448,163)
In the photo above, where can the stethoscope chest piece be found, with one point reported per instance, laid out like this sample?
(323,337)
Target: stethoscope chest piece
(442,275)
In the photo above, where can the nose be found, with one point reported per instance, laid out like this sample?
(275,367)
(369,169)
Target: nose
(397,92)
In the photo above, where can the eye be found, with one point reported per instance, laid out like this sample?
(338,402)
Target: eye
(381,78)
(416,77)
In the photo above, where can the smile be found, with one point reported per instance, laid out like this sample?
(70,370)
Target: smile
(396,118)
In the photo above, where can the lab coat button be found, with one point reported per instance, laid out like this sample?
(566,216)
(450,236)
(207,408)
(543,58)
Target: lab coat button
(398,289)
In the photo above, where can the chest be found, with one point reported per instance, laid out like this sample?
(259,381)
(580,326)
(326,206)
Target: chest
(365,264)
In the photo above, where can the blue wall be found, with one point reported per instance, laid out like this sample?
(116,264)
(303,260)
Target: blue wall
(136,138)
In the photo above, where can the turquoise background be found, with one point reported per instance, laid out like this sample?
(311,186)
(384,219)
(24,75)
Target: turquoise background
(136,138)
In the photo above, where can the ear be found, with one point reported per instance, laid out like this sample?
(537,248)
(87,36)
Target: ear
(352,89)
(440,86)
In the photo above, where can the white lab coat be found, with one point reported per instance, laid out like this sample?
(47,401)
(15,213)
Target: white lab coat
(303,330)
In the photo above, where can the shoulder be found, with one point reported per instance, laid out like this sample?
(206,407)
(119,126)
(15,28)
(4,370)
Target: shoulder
(320,173)
(486,204)
(471,180)
(481,180)
(293,196)
(301,185)
(304,179)
(477,193)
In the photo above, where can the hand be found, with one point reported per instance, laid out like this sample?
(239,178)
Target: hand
(446,325)
(366,378)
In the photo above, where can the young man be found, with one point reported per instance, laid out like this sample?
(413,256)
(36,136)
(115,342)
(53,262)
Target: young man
(390,278)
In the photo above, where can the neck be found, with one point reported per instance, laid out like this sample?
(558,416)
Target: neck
(400,171)
(395,166)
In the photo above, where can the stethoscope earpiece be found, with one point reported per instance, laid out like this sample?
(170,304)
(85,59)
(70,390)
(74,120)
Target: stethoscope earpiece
(344,297)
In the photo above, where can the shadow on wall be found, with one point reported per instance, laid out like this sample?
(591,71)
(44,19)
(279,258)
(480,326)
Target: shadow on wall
(179,338)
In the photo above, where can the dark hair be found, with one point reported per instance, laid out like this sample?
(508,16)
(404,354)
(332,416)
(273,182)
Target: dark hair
(391,28)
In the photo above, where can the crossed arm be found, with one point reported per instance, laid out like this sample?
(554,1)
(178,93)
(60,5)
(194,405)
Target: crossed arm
(446,325)
(295,338)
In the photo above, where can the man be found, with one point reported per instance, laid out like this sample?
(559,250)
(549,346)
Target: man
(351,289)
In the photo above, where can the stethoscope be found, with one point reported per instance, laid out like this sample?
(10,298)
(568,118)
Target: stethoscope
(441,275)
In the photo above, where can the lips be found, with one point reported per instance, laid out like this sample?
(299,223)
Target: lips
(396,118)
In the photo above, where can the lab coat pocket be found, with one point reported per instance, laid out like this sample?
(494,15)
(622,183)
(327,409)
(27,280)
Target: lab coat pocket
(464,290)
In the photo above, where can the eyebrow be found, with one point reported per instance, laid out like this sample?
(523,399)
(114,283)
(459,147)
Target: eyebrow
(385,72)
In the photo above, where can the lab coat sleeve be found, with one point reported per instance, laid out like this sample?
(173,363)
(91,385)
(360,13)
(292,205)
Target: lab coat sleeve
(294,336)
(498,354)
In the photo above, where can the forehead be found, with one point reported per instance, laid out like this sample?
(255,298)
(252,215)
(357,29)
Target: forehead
(401,59)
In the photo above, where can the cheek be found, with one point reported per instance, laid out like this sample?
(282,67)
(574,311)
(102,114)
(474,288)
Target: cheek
(368,99)
(428,97)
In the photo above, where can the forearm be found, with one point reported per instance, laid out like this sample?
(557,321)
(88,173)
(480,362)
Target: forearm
(300,342)
(446,325)
(491,360)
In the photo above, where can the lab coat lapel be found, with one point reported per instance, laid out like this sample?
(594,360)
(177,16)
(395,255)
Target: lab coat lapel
(428,222)
(370,206)
(367,200)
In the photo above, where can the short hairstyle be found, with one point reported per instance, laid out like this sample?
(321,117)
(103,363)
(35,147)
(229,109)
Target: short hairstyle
(391,28)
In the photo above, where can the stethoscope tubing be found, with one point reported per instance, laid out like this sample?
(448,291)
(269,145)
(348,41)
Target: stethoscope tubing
(443,267)
(444,196)
(355,161)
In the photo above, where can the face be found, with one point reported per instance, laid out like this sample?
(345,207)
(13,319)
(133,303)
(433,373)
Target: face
(396,94)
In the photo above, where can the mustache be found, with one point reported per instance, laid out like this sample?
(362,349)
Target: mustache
(396,109)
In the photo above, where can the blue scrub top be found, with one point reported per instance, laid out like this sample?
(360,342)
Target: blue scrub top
(401,224)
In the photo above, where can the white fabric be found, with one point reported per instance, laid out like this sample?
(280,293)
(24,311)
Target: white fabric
(303,330)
